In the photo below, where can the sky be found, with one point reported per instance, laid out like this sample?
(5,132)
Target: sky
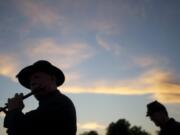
(117,55)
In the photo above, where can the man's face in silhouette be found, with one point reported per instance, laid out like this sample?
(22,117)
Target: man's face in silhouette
(42,83)
(157,118)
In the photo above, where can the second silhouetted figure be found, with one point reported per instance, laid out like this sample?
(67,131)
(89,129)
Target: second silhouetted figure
(159,115)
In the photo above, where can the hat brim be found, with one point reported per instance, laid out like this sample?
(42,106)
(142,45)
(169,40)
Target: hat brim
(24,74)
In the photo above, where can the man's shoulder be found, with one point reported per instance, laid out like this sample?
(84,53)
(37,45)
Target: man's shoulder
(63,99)
(174,125)
(174,122)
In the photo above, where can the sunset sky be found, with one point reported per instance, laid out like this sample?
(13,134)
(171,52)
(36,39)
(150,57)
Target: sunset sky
(117,55)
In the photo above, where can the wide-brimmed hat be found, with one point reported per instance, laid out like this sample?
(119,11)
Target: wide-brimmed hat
(155,106)
(43,66)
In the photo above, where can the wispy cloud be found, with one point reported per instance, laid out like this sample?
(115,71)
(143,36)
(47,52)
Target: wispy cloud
(64,55)
(39,13)
(8,65)
(145,61)
(91,126)
(112,47)
(149,61)
(161,84)
(107,17)
(73,76)
(43,14)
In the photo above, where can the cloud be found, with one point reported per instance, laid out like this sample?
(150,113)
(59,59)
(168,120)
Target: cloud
(106,16)
(64,55)
(8,65)
(109,46)
(39,13)
(170,97)
(80,19)
(52,16)
(149,61)
(91,126)
(73,76)
(145,61)
(103,43)
(160,84)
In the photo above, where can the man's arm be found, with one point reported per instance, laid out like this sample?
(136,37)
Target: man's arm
(14,116)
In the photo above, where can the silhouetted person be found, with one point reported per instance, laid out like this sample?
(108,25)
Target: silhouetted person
(55,114)
(159,115)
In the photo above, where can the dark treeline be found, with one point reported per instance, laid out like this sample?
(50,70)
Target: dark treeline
(120,127)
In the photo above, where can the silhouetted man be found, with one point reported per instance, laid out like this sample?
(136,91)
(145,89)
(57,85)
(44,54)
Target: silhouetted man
(55,114)
(159,115)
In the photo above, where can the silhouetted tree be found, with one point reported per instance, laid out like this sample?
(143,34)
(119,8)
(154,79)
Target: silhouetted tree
(137,130)
(122,127)
(90,133)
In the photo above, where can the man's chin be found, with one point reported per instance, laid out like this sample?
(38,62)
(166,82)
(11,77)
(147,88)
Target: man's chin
(157,124)
(38,96)
(37,90)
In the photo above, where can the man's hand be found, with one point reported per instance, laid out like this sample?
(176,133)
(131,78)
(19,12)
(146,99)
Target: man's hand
(16,102)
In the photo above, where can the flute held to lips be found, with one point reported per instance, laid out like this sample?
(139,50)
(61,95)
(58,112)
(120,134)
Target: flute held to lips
(24,97)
